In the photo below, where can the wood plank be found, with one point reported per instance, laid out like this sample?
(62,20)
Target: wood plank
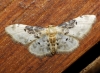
(93,67)
(15,58)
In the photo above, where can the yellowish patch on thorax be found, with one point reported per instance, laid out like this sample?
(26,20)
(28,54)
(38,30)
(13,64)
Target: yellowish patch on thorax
(51,32)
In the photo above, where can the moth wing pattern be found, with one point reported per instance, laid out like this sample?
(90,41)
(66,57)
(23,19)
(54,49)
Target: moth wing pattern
(66,43)
(80,26)
(72,31)
(44,41)
(24,34)
(40,47)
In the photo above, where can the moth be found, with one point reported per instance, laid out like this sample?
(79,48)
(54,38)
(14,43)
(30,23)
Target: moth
(63,38)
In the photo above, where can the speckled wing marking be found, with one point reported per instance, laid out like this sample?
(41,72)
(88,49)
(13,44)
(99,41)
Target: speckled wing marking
(66,43)
(40,47)
(46,45)
(80,26)
(73,31)
(24,34)
(51,40)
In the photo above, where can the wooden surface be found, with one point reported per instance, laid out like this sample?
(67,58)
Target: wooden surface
(14,58)
(93,67)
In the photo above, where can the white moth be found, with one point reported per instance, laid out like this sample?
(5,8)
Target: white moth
(63,38)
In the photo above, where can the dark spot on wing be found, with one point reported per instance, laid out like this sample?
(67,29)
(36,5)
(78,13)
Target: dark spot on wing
(66,33)
(37,29)
(66,39)
(48,44)
(57,43)
(30,40)
(63,25)
(76,23)
(47,40)
(69,24)
(33,30)
(36,36)
(25,30)
(39,43)
(30,28)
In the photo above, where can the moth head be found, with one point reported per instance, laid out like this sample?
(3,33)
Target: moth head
(51,31)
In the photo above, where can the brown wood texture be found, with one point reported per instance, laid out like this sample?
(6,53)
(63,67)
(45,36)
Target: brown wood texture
(14,58)
(93,67)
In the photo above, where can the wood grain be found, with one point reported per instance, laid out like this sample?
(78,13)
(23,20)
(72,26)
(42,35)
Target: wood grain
(14,58)
(93,67)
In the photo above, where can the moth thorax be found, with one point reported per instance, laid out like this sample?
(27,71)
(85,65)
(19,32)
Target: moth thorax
(52,45)
(52,38)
